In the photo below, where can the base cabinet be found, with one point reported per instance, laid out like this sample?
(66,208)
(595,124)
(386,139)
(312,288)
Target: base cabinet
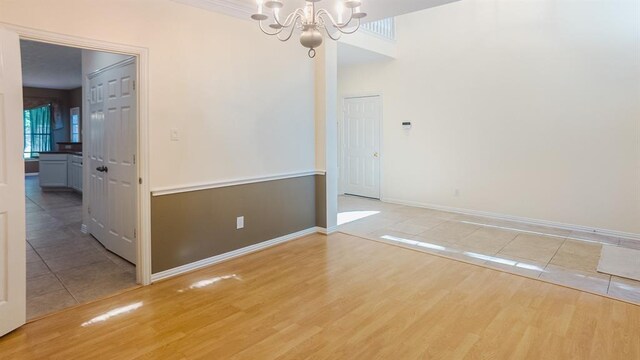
(53,170)
(74,172)
(61,171)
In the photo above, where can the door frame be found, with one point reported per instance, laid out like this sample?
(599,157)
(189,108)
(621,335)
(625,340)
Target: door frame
(341,146)
(143,266)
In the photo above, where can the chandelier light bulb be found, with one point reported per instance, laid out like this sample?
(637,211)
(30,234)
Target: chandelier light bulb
(259,16)
(340,10)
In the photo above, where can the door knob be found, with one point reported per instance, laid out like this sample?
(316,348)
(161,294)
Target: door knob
(102,169)
(375,154)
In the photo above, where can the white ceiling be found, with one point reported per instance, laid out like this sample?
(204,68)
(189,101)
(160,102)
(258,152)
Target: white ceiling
(376,9)
(50,66)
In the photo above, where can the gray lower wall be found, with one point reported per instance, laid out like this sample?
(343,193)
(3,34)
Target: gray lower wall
(321,201)
(191,226)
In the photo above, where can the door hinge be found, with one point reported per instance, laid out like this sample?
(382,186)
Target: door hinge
(134,84)
(89,209)
(140,181)
(135,233)
(134,159)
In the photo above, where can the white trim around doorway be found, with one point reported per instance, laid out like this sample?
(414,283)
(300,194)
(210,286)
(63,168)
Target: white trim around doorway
(143,268)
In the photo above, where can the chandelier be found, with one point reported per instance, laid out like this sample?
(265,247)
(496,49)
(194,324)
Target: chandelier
(309,21)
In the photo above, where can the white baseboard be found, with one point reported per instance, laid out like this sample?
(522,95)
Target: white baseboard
(523,220)
(326,231)
(230,255)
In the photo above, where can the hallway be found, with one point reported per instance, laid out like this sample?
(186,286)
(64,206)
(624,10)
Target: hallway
(64,266)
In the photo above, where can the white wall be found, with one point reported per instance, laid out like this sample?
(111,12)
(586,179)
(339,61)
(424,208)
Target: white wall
(529,108)
(242,102)
(364,47)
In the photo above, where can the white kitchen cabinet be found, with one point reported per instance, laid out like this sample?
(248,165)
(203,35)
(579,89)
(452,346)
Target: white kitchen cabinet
(74,172)
(60,170)
(53,170)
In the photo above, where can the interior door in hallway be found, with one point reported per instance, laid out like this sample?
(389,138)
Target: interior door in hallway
(96,189)
(12,201)
(361,146)
(113,142)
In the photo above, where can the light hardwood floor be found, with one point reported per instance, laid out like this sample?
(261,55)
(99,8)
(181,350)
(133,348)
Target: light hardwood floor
(338,297)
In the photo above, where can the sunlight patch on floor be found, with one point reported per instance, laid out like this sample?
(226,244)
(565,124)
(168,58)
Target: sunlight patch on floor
(349,216)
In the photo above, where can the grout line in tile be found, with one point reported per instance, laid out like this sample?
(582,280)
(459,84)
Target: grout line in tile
(509,242)
(40,256)
(556,253)
(57,277)
(60,281)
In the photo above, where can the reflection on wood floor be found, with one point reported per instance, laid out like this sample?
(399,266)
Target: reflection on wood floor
(338,297)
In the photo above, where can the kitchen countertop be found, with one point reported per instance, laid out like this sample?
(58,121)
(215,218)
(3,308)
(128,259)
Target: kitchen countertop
(78,153)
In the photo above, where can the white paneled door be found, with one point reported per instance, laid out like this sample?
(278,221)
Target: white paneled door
(112,144)
(361,146)
(12,201)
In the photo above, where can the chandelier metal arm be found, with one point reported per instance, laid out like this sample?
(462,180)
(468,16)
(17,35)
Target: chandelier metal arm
(267,32)
(351,31)
(293,28)
(291,18)
(323,12)
(334,38)
(340,31)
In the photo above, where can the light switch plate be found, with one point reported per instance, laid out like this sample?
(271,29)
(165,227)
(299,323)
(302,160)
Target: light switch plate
(239,222)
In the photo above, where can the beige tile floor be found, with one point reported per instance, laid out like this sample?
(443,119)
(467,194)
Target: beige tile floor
(561,256)
(64,266)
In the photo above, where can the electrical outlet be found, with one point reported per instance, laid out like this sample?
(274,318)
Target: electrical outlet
(239,222)
(175,135)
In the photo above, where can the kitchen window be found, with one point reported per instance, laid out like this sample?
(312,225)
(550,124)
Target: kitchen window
(37,131)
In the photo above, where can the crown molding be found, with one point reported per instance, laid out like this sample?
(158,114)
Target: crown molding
(236,8)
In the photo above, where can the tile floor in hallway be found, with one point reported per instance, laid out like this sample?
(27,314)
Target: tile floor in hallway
(561,256)
(64,266)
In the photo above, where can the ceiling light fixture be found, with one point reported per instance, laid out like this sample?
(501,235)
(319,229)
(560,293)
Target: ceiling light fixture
(309,21)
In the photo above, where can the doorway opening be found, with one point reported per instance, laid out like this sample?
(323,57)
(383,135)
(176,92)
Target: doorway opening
(80,136)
